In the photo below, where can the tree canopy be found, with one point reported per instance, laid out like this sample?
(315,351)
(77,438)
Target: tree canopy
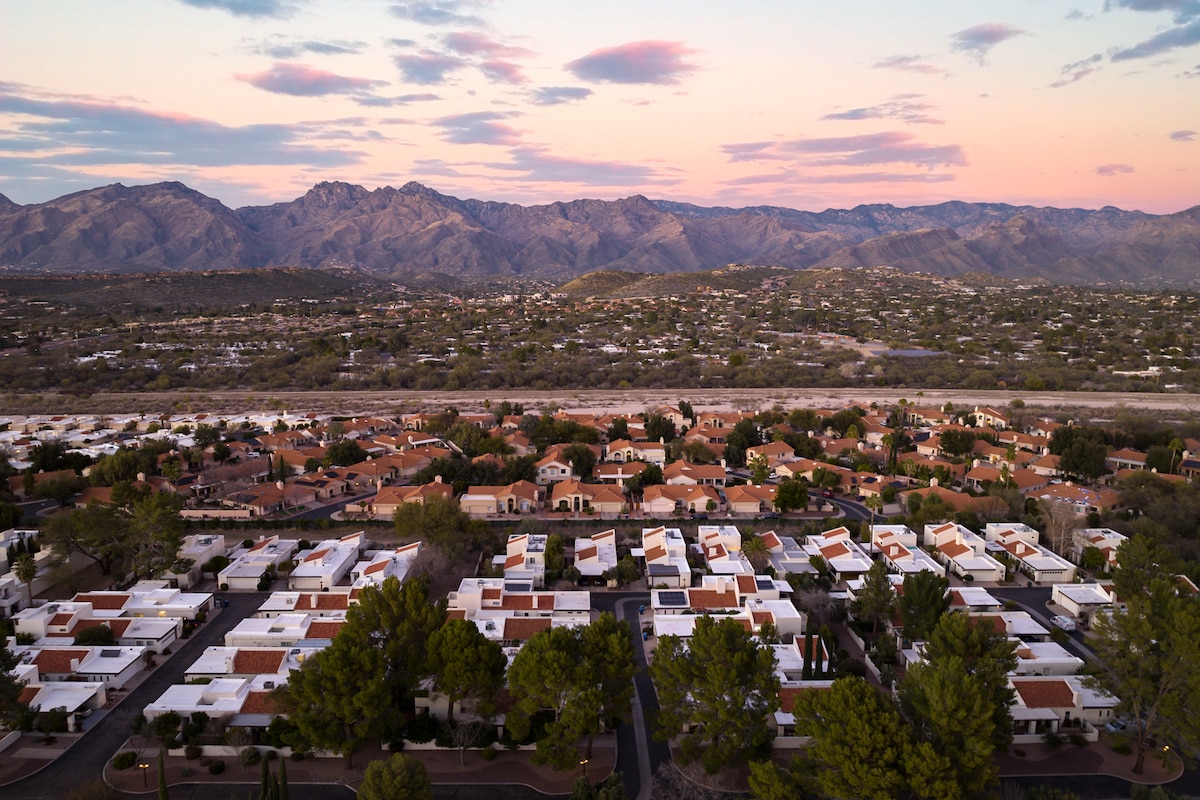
(720,686)
(582,675)
(464,663)
(400,777)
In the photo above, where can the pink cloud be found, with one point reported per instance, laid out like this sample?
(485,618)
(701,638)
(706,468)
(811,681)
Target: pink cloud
(1112,170)
(301,80)
(653,62)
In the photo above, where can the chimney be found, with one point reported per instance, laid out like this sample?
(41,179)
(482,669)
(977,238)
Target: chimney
(933,482)
(437,478)
(141,476)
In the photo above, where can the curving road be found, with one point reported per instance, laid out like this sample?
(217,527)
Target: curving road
(88,755)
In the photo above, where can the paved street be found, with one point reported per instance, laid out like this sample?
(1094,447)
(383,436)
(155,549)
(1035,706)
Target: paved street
(87,757)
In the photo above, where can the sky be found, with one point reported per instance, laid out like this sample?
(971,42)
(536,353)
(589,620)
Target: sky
(798,103)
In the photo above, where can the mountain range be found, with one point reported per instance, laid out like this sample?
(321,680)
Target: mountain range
(414,229)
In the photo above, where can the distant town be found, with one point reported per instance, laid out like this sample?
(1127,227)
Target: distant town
(739,327)
(308,584)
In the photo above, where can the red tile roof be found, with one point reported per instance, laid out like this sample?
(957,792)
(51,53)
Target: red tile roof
(323,629)
(1045,694)
(523,628)
(258,662)
(58,662)
(105,602)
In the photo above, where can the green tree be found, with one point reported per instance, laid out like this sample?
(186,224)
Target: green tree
(771,782)
(11,707)
(345,453)
(584,675)
(582,459)
(163,794)
(950,708)
(1082,450)
(400,777)
(96,636)
(791,494)
(155,534)
(25,568)
(987,654)
(59,489)
(550,673)
(859,741)
(609,656)
(957,442)
(339,698)
(875,599)
(719,687)
(439,521)
(1149,657)
(760,469)
(743,436)
(396,620)
(97,532)
(465,664)
(926,597)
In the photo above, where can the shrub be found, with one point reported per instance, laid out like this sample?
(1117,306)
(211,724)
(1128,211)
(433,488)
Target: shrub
(192,751)
(488,754)
(272,755)
(1121,748)
(249,755)
(124,759)
(299,755)
(1078,739)
(421,728)
(1053,739)
(216,767)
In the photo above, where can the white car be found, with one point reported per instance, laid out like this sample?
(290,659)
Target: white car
(1066,623)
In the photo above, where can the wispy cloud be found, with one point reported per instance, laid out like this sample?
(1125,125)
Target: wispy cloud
(905,107)
(539,165)
(1184,35)
(1075,15)
(435,13)
(1185,31)
(796,176)
(647,62)
(427,67)
(978,41)
(479,127)
(752,151)
(557,95)
(282,48)
(1077,71)
(887,147)
(1183,136)
(916,64)
(301,80)
(75,132)
(279,9)
(372,100)
(497,62)
(1111,170)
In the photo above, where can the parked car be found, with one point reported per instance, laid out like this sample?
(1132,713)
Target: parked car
(1066,623)
(1119,725)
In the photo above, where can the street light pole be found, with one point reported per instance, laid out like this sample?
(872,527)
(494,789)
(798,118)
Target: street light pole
(143,768)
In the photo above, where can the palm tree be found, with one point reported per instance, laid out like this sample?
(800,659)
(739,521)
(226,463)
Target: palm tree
(1177,447)
(25,568)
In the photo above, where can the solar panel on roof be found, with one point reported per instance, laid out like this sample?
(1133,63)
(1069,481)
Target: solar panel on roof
(764,583)
(672,598)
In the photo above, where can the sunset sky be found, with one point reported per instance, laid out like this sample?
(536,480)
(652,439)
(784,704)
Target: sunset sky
(794,103)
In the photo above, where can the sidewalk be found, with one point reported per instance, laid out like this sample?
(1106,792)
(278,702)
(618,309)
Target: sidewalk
(442,766)
(1096,758)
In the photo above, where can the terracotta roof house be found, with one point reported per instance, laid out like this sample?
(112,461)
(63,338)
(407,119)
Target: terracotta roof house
(521,497)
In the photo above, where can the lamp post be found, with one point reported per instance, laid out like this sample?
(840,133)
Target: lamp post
(143,768)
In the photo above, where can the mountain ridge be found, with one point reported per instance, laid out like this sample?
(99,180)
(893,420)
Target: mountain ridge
(415,229)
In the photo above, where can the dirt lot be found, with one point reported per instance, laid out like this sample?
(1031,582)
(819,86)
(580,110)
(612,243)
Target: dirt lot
(635,400)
